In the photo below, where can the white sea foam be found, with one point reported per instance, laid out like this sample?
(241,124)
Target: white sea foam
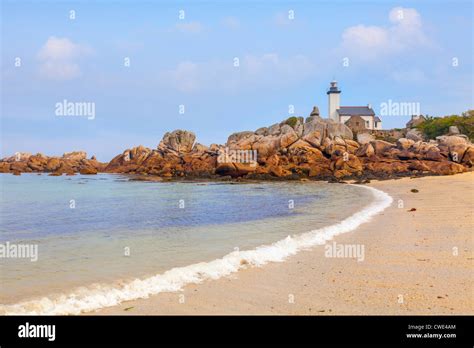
(100,296)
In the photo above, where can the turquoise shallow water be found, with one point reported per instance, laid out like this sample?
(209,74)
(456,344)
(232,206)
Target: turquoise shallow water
(163,225)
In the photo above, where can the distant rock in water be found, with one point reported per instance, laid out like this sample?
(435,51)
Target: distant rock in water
(69,163)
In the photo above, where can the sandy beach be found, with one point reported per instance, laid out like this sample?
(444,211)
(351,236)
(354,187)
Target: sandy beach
(415,262)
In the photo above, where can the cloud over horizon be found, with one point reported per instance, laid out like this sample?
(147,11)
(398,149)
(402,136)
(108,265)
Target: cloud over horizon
(370,42)
(58,58)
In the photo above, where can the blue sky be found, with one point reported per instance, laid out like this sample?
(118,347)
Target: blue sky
(400,51)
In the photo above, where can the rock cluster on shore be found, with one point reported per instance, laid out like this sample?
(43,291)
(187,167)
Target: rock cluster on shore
(295,148)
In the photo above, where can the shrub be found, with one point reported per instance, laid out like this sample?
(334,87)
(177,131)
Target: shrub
(436,126)
(292,121)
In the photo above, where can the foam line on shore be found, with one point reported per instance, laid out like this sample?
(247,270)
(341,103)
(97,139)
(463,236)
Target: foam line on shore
(87,299)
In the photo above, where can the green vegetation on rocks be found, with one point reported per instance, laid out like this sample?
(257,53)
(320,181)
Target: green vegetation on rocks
(436,126)
(292,121)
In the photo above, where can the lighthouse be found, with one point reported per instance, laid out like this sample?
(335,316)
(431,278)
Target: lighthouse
(334,99)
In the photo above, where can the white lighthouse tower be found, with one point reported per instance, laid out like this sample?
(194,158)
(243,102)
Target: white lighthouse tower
(334,99)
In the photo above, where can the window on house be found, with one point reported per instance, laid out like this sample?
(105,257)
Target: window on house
(375,124)
(367,124)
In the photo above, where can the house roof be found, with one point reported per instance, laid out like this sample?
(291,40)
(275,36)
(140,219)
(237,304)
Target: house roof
(377,119)
(355,110)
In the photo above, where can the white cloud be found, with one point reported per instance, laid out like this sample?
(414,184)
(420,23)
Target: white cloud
(55,70)
(60,49)
(190,27)
(407,31)
(58,58)
(373,42)
(368,41)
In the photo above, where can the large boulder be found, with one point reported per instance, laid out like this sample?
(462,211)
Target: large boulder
(87,170)
(364,138)
(137,154)
(52,164)
(314,112)
(4,167)
(414,134)
(327,128)
(468,158)
(20,167)
(450,140)
(366,150)
(18,157)
(380,146)
(262,131)
(313,125)
(199,164)
(453,130)
(75,155)
(274,129)
(235,169)
(288,137)
(386,167)
(180,141)
(313,138)
(129,160)
(267,146)
(335,129)
(457,151)
(404,143)
(200,148)
(445,168)
(347,165)
(237,137)
(37,162)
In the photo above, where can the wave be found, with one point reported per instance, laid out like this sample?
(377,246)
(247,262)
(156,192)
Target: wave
(87,299)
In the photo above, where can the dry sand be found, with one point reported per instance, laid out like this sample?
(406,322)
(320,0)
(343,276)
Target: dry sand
(418,262)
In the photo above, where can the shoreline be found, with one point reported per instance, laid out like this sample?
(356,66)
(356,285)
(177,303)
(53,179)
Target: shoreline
(410,268)
(363,179)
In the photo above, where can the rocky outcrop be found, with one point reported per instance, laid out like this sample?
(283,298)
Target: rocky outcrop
(321,148)
(176,155)
(70,163)
(294,148)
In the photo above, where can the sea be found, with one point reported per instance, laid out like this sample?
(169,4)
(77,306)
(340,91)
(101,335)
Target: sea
(104,239)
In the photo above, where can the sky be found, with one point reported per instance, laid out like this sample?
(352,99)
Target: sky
(215,67)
